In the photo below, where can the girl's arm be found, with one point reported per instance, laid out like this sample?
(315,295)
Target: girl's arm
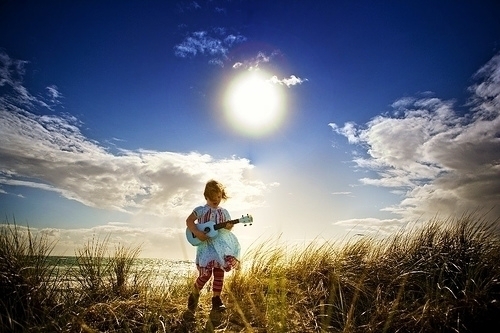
(192,226)
(228,226)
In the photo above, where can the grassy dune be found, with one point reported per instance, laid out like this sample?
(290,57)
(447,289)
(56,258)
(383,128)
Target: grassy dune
(444,277)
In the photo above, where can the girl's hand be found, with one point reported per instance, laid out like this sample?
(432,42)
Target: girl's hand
(201,236)
(229,226)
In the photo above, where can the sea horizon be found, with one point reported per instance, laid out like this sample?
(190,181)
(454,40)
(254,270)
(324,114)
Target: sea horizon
(160,271)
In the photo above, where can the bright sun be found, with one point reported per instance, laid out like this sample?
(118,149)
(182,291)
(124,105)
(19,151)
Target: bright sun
(253,105)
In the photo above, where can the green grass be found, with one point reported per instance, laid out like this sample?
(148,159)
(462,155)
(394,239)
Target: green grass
(443,277)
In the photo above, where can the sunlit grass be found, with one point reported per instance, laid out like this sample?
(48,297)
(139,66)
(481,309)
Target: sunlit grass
(442,277)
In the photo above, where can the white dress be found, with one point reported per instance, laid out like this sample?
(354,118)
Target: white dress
(222,251)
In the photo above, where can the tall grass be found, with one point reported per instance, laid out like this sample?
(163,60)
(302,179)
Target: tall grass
(442,277)
(101,276)
(28,297)
(92,268)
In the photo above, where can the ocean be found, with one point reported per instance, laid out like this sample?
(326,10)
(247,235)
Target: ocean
(159,271)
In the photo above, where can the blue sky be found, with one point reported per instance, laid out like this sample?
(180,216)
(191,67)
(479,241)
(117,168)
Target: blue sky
(324,119)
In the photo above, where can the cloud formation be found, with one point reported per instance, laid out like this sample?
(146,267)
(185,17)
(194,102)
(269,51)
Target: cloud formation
(442,163)
(49,152)
(13,92)
(215,45)
(253,64)
(291,81)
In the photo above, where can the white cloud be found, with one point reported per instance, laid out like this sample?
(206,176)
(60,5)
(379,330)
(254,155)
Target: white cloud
(486,93)
(216,45)
(253,63)
(54,94)
(291,81)
(11,77)
(369,226)
(220,10)
(443,162)
(349,130)
(14,94)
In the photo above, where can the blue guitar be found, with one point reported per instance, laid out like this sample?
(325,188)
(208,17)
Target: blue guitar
(210,228)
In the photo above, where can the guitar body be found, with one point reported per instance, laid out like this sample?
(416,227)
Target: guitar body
(211,228)
(207,227)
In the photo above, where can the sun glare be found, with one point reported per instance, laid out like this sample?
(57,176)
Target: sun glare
(253,105)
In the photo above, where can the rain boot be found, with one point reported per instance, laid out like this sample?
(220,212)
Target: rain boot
(217,304)
(193,301)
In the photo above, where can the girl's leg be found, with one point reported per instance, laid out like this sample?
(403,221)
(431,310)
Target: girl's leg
(202,279)
(198,285)
(217,283)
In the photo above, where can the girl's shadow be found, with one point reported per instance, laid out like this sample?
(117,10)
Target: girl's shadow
(214,320)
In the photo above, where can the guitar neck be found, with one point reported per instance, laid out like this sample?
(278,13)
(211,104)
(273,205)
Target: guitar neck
(223,224)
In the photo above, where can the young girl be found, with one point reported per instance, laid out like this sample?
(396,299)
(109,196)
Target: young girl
(213,255)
